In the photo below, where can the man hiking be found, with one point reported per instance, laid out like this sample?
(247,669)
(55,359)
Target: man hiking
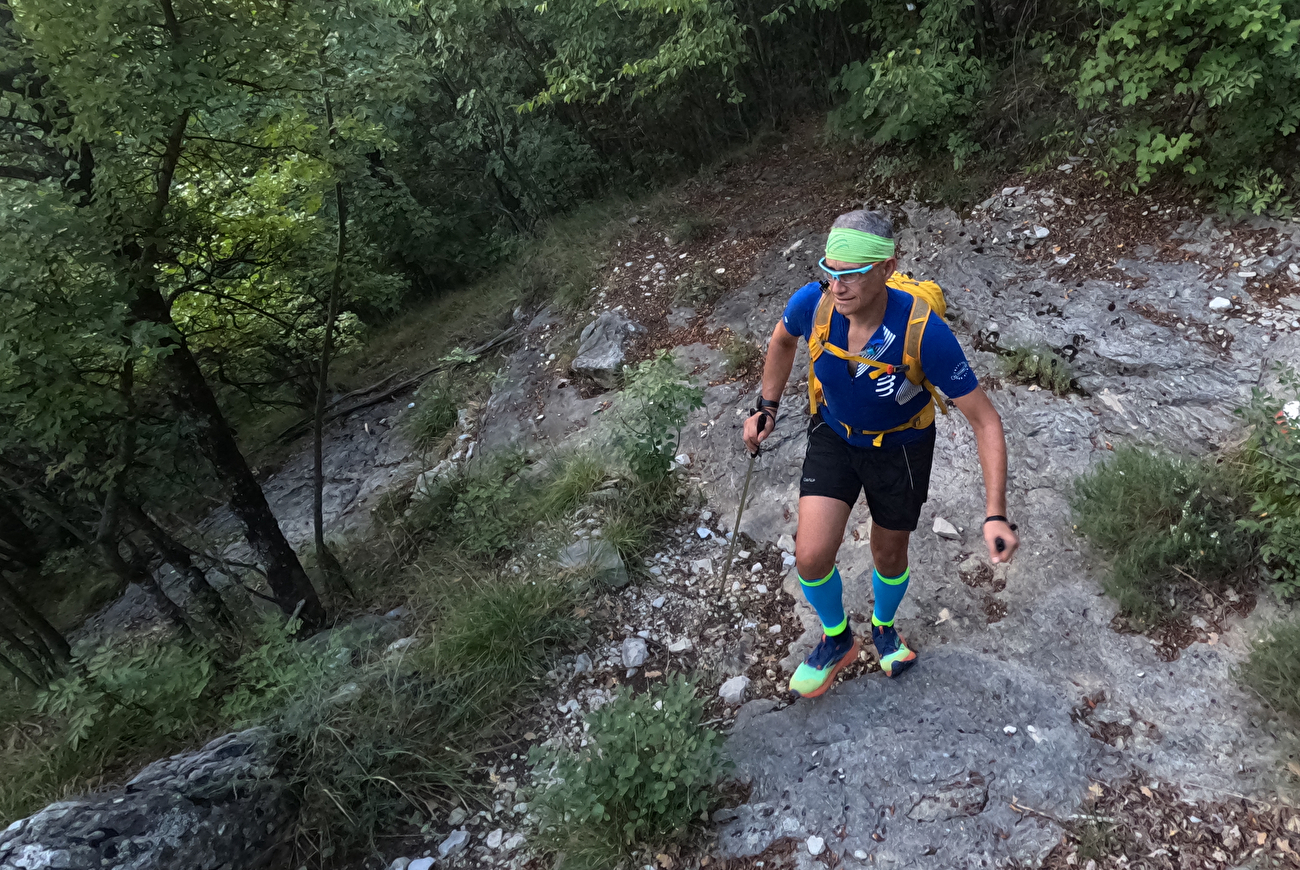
(880,354)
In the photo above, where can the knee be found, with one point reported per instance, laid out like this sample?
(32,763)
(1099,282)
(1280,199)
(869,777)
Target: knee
(814,566)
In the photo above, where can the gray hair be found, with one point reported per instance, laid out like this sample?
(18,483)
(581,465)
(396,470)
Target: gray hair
(875,222)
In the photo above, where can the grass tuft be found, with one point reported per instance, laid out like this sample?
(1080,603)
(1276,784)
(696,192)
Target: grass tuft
(741,355)
(1273,669)
(1041,366)
(434,415)
(1169,527)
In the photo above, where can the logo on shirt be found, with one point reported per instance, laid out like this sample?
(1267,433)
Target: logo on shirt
(962,370)
(873,350)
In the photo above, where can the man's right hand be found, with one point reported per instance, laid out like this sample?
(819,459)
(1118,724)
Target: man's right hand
(757,428)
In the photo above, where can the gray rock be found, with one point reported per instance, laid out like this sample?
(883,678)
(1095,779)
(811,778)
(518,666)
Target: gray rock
(680,318)
(222,806)
(453,844)
(681,645)
(942,757)
(1220,303)
(733,690)
(420,864)
(599,557)
(457,817)
(946,530)
(634,652)
(1292,302)
(400,864)
(600,349)
(494,839)
(582,664)
(428,481)
(515,841)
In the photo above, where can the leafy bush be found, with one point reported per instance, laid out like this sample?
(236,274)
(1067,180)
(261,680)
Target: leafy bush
(1168,524)
(1273,470)
(1039,365)
(434,415)
(925,89)
(1273,668)
(654,406)
(649,770)
(1211,88)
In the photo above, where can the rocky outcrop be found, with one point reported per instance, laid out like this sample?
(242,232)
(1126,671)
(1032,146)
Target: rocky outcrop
(600,348)
(221,808)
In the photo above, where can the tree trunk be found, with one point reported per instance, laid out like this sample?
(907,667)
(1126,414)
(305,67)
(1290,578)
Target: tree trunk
(193,397)
(15,643)
(49,635)
(19,674)
(138,568)
(177,555)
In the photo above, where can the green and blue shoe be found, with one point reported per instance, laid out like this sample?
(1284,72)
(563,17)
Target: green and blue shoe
(895,657)
(817,673)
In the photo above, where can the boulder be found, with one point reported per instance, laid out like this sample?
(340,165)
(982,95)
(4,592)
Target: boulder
(600,348)
(222,806)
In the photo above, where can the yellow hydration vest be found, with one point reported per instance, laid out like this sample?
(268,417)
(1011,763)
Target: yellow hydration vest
(926,297)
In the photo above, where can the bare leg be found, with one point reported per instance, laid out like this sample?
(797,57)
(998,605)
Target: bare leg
(821,531)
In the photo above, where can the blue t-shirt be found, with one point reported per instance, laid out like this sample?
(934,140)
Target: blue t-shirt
(851,396)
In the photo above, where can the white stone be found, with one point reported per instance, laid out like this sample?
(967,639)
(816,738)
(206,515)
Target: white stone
(398,646)
(760,588)
(658,602)
(1245,274)
(859,854)
(1012,191)
(452,844)
(634,652)
(515,841)
(742,555)
(457,816)
(1218,303)
(683,460)
(420,864)
(1041,232)
(1008,729)
(816,845)
(702,566)
(774,628)
(787,560)
(945,529)
(582,664)
(683,645)
(494,839)
(400,864)
(733,690)
(705,516)
(703,532)
(756,567)
(786,542)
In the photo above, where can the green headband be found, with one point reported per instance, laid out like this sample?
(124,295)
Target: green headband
(855,246)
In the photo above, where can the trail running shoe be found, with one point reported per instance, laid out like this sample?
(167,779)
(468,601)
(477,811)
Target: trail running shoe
(818,671)
(895,657)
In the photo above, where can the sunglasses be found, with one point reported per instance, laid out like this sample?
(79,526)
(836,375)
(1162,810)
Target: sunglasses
(844,274)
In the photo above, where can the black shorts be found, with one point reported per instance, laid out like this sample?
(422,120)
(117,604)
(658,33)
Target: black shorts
(896,479)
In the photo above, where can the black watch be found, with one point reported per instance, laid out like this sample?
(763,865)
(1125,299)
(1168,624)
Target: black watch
(1001,519)
(766,404)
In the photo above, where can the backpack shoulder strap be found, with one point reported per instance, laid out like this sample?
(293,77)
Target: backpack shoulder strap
(817,336)
(916,323)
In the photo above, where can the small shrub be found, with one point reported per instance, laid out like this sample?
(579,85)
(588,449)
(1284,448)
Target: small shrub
(1273,668)
(690,228)
(630,523)
(700,287)
(649,771)
(434,414)
(1039,365)
(654,407)
(1273,472)
(478,511)
(1169,526)
(740,354)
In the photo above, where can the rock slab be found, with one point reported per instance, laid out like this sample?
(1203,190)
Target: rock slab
(220,807)
(916,771)
(600,349)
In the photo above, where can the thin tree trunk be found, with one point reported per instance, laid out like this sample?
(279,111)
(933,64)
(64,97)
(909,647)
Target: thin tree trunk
(193,397)
(14,642)
(329,565)
(178,556)
(19,674)
(49,635)
(138,567)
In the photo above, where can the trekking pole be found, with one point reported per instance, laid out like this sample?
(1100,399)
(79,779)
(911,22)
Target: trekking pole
(740,512)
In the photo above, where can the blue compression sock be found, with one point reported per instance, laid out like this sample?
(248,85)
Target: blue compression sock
(889,592)
(827,598)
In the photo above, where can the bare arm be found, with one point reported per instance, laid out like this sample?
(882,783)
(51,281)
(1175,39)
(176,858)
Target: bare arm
(776,371)
(992,445)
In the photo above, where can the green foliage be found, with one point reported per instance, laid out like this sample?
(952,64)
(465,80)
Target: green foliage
(700,287)
(1211,88)
(649,770)
(1039,365)
(1168,525)
(653,409)
(1273,668)
(630,522)
(925,86)
(277,670)
(435,412)
(1273,471)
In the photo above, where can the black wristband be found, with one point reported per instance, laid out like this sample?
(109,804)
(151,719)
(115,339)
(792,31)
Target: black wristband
(764,404)
(1001,519)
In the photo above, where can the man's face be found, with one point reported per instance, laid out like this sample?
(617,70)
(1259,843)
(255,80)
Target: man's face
(854,292)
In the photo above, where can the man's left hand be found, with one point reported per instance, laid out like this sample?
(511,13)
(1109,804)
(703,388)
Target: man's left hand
(994,531)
